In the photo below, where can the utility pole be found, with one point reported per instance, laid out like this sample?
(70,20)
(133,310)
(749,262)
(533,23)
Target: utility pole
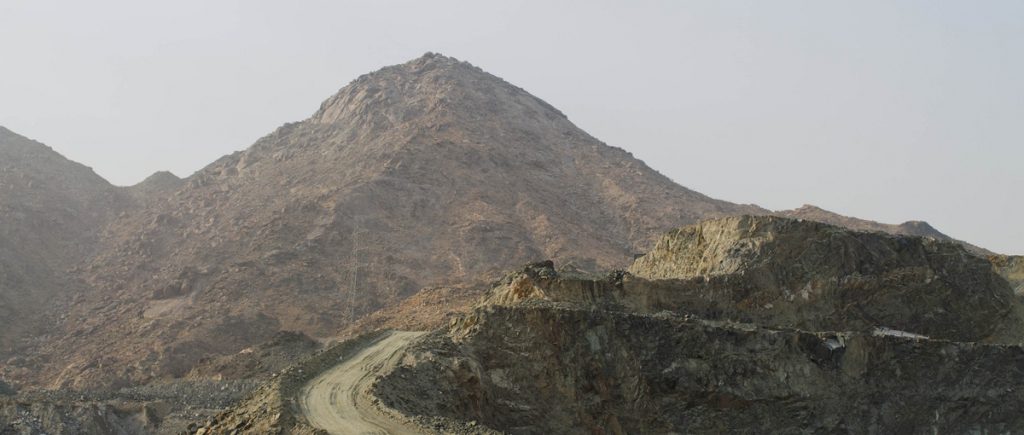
(358,230)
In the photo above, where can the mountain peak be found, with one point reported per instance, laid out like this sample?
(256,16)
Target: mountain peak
(437,58)
(923,229)
(26,153)
(811,208)
(432,88)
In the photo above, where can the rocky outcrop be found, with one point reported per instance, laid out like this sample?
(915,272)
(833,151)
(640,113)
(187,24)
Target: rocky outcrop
(731,325)
(543,368)
(1010,267)
(814,276)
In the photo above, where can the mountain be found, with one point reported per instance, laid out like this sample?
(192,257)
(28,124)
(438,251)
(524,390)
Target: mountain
(156,187)
(909,228)
(398,204)
(51,211)
(424,174)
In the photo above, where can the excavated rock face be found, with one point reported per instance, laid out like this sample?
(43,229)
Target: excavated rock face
(732,325)
(820,277)
(543,368)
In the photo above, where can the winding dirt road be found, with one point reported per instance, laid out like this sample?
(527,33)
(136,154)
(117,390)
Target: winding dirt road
(336,401)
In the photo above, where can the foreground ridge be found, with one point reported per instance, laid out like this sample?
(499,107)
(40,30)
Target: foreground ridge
(716,330)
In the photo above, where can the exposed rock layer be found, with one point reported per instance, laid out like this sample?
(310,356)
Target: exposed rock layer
(541,368)
(691,346)
(820,277)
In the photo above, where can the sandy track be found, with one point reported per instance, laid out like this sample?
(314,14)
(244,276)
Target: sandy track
(337,400)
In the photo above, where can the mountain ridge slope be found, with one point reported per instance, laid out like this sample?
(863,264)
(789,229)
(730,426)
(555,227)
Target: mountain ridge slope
(50,211)
(427,173)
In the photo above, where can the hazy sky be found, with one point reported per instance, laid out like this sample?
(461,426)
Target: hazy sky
(887,110)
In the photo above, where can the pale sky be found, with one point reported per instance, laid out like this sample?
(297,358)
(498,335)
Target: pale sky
(885,110)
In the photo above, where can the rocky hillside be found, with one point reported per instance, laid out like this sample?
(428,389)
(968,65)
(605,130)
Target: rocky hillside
(423,174)
(675,352)
(51,210)
(814,276)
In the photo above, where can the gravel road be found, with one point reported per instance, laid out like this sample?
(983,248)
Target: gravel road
(337,402)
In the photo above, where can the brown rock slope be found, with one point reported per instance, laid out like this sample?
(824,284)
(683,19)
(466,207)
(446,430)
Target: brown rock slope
(427,173)
(156,187)
(51,210)
(685,349)
(815,276)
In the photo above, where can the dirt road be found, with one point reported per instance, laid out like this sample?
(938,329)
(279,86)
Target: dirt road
(336,401)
